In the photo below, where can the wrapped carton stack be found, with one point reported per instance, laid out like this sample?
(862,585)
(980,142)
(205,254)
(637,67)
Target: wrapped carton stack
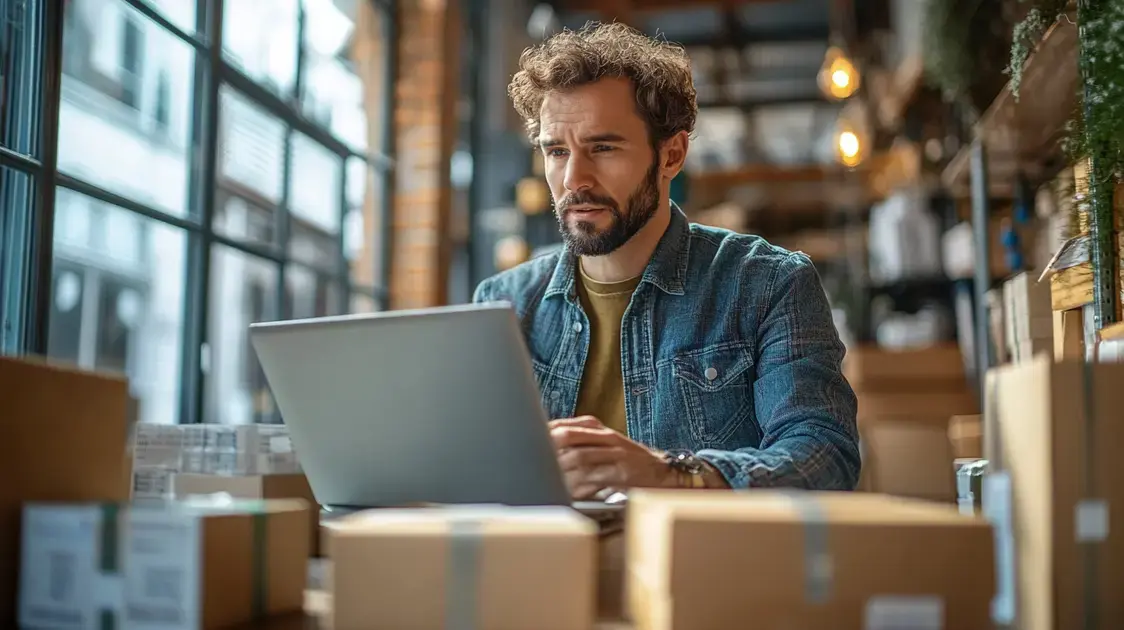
(1055,492)
(905,399)
(178,565)
(703,560)
(162,451)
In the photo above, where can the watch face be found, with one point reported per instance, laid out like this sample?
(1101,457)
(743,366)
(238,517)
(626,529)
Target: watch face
(684,460)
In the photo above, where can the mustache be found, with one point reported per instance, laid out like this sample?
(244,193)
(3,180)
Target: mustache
(576,199)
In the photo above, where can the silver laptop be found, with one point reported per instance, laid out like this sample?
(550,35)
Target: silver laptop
(420,406)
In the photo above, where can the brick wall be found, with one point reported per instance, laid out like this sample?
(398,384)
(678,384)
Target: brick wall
(425,129)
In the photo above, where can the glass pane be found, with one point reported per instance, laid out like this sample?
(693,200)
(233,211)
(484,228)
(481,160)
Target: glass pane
(117,299)
(243,290)
(179,12)
(241,219)
(312,247)
(314,187)
(19,71)
(16,198)
(260,38)
(362,222)
(309,294)
(251,148)
(342,51)
(125,118)
(363,303)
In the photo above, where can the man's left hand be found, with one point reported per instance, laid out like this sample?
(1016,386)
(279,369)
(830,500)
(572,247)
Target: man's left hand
(595,458)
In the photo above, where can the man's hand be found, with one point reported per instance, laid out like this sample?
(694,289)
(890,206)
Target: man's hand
(595,458)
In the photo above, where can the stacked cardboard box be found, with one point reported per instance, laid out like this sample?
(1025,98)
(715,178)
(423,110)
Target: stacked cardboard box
(254,487)
(63,433)
(924,384)
(905,401)
(162,451)
(480,567)
(1028,317)
(965,433)
(805,560)
(180,565)
(1055,491)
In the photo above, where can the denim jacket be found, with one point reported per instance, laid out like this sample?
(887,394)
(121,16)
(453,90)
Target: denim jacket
(728,349)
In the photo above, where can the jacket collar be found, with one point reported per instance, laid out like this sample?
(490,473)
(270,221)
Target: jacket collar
(667,269)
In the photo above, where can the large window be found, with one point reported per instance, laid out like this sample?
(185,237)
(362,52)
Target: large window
(187,195)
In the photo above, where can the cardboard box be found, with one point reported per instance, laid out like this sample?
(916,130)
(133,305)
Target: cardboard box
(506,567)
(773,560)
(908,459)
(934,407)
(292,486)
(965,433)
(1028,317)
(176,566)
(1055,489)
(873,369)
(64,434)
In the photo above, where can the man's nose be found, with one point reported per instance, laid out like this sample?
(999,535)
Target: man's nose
(579,174)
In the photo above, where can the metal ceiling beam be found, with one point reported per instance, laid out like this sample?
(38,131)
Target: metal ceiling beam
(742,37)
(649,5)
(770,101)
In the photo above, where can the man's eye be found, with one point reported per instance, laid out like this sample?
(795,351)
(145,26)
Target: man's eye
(603,147)
(556,152)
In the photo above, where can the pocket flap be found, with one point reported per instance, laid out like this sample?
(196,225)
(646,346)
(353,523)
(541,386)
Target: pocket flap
(715,367)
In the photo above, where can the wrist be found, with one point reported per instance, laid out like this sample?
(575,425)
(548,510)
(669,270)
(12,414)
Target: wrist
(687,471)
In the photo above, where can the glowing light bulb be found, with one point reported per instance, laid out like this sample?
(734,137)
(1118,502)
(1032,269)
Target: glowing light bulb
(838,78)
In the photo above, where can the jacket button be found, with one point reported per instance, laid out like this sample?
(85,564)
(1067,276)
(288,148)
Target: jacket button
(710,374)
(577,327)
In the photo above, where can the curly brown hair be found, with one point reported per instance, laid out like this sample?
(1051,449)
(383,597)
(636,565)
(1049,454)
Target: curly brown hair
(660,73)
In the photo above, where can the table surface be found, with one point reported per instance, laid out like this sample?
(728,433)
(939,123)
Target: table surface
(316,605)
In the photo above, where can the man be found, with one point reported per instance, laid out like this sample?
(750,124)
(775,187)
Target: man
(672,354)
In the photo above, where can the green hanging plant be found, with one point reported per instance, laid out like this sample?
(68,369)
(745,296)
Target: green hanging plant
(1098,129)
(948,62)
(1027,34)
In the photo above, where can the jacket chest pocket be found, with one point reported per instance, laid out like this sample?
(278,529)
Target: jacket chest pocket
(716,386)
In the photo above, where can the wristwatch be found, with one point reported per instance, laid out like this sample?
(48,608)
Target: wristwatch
(687,466)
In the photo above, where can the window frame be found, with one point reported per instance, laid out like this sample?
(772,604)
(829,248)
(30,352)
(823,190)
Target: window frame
(25,296)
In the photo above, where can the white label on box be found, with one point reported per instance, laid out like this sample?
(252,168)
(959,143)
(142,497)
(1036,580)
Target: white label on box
(904,612)
(1092,520)
(59,565)
(997,509)
(280,444)
(162,572)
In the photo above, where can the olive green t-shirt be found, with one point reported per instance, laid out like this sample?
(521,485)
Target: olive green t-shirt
(602,388)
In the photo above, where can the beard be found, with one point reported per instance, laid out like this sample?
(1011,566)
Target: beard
(584,238)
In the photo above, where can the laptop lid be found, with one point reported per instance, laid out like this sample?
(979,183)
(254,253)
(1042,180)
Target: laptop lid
(436,405)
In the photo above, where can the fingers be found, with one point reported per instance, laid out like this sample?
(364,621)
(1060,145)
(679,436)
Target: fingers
(576,436)
(588,483)
(581,421)
(590,470)
(590,457)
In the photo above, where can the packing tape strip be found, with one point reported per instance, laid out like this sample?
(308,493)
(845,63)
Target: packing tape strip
(818,565)
(109,562)
(464,564)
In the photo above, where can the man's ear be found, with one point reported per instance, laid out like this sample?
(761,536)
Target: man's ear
(673,154)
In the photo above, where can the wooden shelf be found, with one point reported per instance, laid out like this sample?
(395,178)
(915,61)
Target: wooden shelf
(1023,134)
